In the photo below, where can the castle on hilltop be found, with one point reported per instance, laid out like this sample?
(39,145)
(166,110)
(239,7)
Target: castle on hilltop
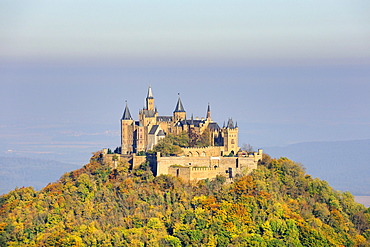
(221,155)
(144,134)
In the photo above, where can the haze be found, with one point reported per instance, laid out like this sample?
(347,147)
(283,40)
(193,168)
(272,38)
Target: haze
(287,72)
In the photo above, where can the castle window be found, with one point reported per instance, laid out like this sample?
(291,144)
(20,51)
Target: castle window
(232,141)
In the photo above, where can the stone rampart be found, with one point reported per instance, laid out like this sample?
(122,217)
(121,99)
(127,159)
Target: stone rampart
(203,151)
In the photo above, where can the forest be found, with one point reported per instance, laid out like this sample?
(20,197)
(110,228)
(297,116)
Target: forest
(277,205)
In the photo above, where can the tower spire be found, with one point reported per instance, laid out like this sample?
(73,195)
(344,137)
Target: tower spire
(150,93)
(179,106)
(208,117)
(126,113)
(150,100)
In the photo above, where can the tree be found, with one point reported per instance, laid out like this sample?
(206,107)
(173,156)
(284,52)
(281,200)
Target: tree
(247,147)
(204,140)
(166,148)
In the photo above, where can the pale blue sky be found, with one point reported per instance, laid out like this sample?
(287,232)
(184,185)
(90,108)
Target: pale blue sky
(287,71)
(190,32)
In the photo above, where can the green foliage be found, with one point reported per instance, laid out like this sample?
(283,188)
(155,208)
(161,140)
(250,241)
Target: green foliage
(167,147)
(141,153)
(278,205)
(204,139)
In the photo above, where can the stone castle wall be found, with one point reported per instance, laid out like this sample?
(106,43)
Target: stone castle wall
(191,168)
(203,152)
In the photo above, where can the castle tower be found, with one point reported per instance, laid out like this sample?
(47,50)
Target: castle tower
(150,100)
(179,112)
(230,133)
(127,132)
(147,116)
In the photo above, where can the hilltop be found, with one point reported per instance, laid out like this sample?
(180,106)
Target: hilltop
(276,205)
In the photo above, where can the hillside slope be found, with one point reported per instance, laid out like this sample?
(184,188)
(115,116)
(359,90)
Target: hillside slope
(344,164)
(278,205)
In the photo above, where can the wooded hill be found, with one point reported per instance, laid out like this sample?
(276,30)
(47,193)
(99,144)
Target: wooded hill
(277,205)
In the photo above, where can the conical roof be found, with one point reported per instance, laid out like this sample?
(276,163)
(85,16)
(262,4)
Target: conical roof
(179,106)
(150,93)
(126,114)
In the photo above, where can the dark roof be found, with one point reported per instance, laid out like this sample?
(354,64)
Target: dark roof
(161,133)
(154,129)
(126,114)
(213,126)
(230,124)
(164,119)
(149,113)
(196,123)
(179,106)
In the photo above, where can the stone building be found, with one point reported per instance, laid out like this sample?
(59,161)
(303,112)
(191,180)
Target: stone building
(221,157)
(144,134)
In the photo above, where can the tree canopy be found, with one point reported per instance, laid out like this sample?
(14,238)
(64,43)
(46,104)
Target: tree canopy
(277,205)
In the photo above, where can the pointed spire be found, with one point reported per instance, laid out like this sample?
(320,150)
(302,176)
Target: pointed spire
(179,106)
(150,93)
(126,113)
(208,112)
(192,120)
(224,125)
(236,124)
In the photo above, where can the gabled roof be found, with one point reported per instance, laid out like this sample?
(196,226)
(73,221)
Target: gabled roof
(154,129)
(179,106)
(126,114)
(161,133)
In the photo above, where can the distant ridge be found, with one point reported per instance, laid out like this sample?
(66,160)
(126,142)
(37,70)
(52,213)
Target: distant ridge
(344,164)
(22,171)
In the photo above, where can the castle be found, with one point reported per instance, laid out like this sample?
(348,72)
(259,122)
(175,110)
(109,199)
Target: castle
(220,156)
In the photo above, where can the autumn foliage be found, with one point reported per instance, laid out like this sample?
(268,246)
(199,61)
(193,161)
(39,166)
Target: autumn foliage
(277,205)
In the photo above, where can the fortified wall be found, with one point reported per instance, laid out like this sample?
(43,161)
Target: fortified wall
(190,168)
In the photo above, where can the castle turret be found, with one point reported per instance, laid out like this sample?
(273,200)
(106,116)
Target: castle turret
(230,133)
(127,132)
(148,115)
(179,112)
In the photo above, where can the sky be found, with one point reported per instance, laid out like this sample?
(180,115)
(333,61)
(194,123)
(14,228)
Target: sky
(287,71)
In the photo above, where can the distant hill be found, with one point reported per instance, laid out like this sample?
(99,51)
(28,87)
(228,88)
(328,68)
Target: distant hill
(344,164)
(21,171)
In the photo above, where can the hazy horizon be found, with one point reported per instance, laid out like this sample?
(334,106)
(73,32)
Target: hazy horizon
(287,72)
